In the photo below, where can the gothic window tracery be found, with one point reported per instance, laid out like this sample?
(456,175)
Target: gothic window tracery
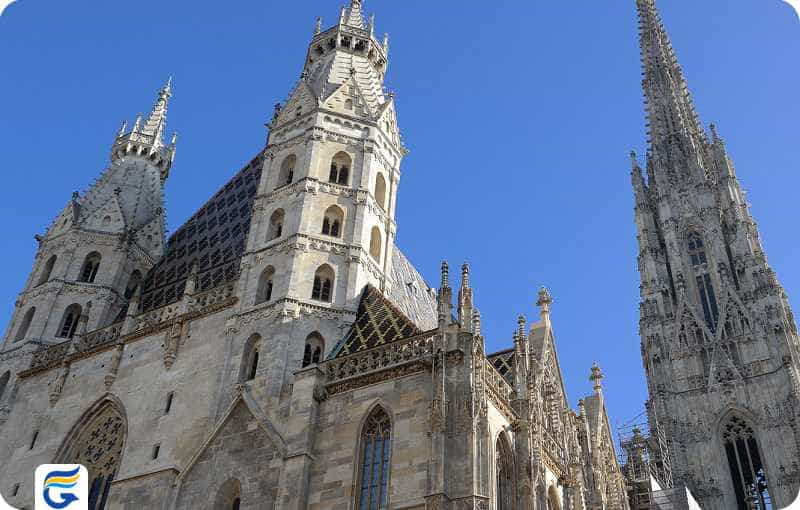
(376,449)
(98,446)
(323,284)
(332,221)
(340,169)
(70,321)
(705,288)
(744,461)
(90,266)
(314,349)
(697,252)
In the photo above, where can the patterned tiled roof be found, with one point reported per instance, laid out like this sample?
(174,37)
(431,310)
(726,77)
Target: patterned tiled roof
(411,294)
(214,238)
(503,361)
(378,322)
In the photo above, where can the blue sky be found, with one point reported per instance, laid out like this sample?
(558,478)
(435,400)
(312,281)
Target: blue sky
(519,116)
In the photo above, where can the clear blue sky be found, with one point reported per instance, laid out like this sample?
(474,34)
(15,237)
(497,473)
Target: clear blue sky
(519,116)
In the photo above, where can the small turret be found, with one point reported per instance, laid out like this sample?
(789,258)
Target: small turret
(465,300)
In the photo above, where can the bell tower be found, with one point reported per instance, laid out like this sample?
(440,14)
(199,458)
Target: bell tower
(719,341)
(93,256)
(323,224)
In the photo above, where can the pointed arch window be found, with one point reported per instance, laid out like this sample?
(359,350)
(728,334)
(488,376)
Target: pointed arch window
(286,175)
(745,462)
(340,169)
(90,266)
(69,323)
(376,450)
(697,252)
(276,225)
(380,191)
(314,349)
(47,270)
(22,331)
(98,445)
(332,222)
(323,284)
(375,244)
(229,496)
(504,474)
(265,285)
(250,359)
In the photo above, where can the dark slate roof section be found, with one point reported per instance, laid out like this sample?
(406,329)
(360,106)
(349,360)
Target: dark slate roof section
(214,238)
(411,294)
(503,361)
(378,322)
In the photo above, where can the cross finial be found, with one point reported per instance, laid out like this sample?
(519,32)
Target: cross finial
(596,377)
(544,302)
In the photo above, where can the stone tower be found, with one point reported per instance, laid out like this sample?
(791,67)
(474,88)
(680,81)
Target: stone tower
(91,259)
(323,224)
(718,338)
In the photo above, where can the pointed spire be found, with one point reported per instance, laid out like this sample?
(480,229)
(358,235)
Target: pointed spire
(157,120)
(445,297)
(465,300)
(386,43)
(122,128)
(318,25)
(669,106)
(353,15)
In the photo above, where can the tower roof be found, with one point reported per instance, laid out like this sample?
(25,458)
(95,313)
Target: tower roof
(157,120)
(353,15)
(669,106)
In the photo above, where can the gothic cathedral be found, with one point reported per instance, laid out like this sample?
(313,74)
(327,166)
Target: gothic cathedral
(719,341)
(278,350)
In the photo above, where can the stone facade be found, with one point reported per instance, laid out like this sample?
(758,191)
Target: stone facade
(719,340)
(279,350)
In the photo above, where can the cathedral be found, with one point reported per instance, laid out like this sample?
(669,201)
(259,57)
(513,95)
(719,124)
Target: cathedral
(279,351)
(718,338)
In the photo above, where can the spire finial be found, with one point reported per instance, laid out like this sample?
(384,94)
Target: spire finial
(476,322)
(318,26)
(465,275)
(634,160)
(386,43)
(544,302)
(596,377)
(445,275)
(352,16)
(157,120)
(122,128)
(521,327)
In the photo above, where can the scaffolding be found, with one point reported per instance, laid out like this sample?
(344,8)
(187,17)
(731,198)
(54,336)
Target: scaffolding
(645,463)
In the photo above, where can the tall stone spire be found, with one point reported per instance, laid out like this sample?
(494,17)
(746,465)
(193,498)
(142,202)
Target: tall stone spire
(670,110)
(157,120)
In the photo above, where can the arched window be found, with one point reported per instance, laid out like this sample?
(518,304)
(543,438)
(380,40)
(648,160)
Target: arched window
(340,169)
(380,191)
(697,252)
(286,175)
(745,462)
(229,496)
(70,321)
(375,244)
(314,349)
(98,445)
(25,324)
(133,283)
(504,474)
(376,451)
(275,225)
(265,283)
(332,222)
(47,270)
(323,284)
(552,499)
(4,383)
(250,358)
(90,266)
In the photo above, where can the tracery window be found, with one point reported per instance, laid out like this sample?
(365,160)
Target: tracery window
(332,222)
(376,449)
(745,464)
(315,347)
(697,252)
(340,169)
(70,321)
(98,446)
(323,284)
(90,267)
(504,475)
